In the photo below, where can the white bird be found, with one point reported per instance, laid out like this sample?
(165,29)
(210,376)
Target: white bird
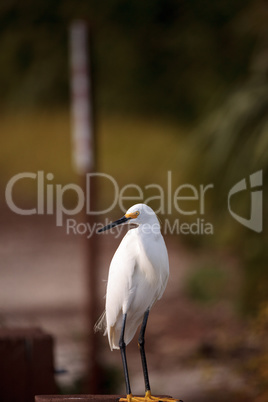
(137,278)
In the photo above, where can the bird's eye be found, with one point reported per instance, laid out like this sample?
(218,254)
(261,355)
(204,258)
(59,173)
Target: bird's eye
(132,215)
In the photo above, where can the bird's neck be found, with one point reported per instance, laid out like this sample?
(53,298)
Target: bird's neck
(149,228)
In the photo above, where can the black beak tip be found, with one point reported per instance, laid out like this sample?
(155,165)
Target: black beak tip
(104,228)
(113,224)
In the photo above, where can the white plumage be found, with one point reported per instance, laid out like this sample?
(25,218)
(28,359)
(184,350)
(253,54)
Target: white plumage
(138,275)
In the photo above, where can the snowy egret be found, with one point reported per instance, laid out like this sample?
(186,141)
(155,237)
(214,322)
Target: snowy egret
(137,278)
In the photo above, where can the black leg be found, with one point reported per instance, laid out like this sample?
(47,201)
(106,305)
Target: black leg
(142,351)
(122,346)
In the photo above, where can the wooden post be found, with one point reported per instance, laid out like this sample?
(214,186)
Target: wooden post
(84,159)
(26,364)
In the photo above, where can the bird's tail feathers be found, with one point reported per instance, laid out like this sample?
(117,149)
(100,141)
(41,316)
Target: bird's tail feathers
(113,338)
(101,324)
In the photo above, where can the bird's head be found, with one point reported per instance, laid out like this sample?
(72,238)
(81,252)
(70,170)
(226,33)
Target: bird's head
(138,214)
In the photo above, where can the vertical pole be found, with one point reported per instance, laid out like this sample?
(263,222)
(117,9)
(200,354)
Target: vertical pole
(81,97)
(84,159)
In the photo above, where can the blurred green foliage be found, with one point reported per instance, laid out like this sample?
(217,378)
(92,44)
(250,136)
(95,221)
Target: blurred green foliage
(208,284)
(167,56)
(256,365)
(231,145)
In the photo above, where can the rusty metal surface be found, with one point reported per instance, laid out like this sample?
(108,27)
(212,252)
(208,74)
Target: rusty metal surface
(76,398)
(81,398)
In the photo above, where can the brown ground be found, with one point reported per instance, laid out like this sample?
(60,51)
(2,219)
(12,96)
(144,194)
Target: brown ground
(193,348)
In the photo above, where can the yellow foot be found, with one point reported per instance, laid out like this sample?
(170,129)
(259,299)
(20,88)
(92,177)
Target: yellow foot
(130,398)
(148,398)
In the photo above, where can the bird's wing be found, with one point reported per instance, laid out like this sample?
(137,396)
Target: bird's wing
(156,253)
(120,284)
(164,271)
(163,283)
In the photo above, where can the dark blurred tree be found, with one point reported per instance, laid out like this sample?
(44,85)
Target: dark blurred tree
(159,56)
(33,55)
